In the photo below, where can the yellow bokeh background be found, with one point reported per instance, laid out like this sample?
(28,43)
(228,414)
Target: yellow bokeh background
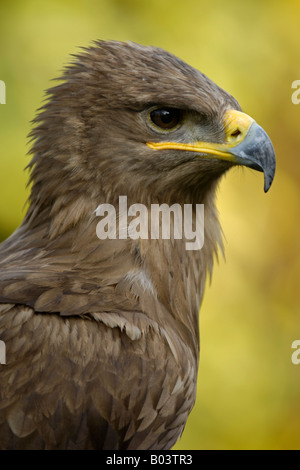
(248,388)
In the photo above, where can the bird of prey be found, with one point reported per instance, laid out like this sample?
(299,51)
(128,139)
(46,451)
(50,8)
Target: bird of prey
(102,335)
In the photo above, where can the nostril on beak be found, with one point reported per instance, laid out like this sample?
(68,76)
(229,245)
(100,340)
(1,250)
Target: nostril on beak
(236,133)
(236,125)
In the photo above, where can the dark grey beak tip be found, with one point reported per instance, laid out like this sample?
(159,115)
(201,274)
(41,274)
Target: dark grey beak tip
(268,181)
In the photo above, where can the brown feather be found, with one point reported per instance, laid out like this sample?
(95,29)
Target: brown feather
(102,337)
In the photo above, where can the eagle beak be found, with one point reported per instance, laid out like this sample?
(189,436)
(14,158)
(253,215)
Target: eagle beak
(246,143)
(249,144)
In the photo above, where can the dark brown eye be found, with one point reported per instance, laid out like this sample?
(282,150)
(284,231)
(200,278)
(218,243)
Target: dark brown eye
(166,118)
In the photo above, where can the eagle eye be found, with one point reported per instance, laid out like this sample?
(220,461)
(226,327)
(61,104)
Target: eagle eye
(166,118)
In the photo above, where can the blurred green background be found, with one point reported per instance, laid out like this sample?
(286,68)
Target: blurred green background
(248,388)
